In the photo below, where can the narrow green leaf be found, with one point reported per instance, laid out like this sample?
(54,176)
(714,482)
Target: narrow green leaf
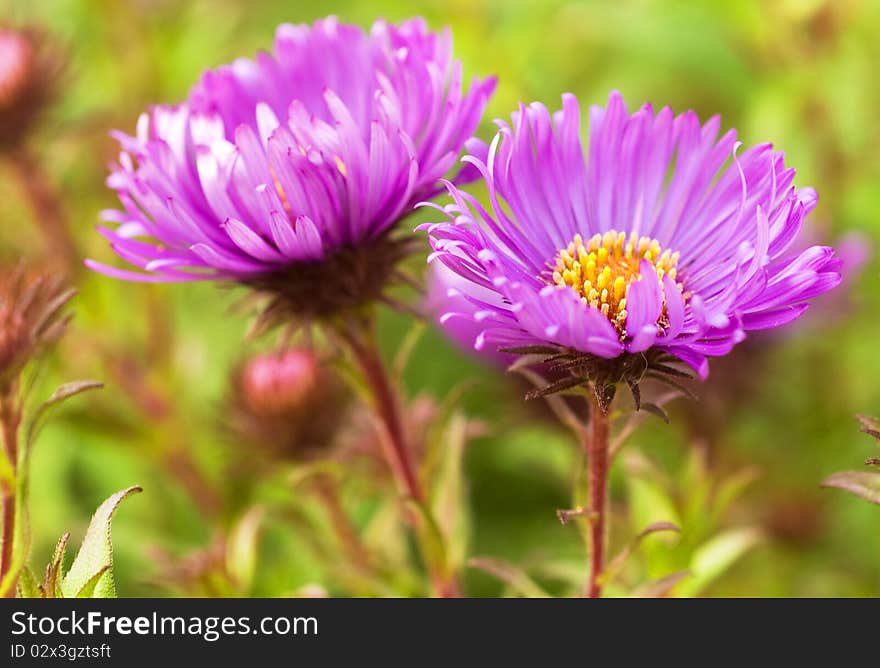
(449,492)
(619,561)
(60,395)
(864,484)
(27,584)
(52,582)
(241,548)
(716,555)
(94,560)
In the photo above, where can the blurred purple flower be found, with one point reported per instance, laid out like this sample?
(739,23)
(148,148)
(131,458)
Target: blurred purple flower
(650,241)
(30,65)
(448,301)
(279,163)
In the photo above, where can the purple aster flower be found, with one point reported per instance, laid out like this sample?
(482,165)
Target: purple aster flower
(287,172)
(660,242)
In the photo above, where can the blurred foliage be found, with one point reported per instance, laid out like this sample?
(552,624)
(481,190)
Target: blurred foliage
(799,72)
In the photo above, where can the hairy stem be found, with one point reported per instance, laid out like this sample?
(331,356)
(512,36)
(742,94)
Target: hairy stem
(398,454)
(598,465)
(10,418)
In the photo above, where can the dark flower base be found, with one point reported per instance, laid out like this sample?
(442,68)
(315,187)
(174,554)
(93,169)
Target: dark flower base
(576,369)
(341,283)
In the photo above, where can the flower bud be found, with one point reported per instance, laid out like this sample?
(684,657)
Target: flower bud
(286,404)
(31,317)
(28,74)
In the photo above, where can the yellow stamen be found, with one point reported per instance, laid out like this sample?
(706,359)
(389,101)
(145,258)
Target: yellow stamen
(601,270)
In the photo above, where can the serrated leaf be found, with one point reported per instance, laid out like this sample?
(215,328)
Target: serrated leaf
(90,588)
(52,582)
(95,556)
(509,574)
(27,584)
(864,484)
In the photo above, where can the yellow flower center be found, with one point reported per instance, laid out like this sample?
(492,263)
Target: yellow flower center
(602,268)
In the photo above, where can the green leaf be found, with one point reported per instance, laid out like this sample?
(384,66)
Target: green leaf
(650,502)
(241,548)
(617,563)
(864,484)
(60,395)
(52,583)
(27,584)
(448,498)
(91,569)
(716,555)
(90,588)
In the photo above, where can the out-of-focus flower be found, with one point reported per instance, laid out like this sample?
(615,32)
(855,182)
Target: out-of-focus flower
(31,317)
(651,247)
(288,172)
(28,74)
(286,404)
(447,305)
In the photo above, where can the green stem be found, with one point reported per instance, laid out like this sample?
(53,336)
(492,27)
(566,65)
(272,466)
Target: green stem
(10,418)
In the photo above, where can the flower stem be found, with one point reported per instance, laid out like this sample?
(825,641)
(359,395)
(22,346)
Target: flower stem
(598,465)
(48,212)
(387,408)
(398,455)
(10,418)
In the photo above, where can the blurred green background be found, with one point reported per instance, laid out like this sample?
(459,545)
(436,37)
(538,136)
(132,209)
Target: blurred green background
(800,74)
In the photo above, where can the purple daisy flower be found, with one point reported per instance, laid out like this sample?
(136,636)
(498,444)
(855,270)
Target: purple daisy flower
(275,169)
(659,240)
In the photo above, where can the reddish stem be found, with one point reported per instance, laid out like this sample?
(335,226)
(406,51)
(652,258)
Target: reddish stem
(396,448)
(387,408)
(597,463)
